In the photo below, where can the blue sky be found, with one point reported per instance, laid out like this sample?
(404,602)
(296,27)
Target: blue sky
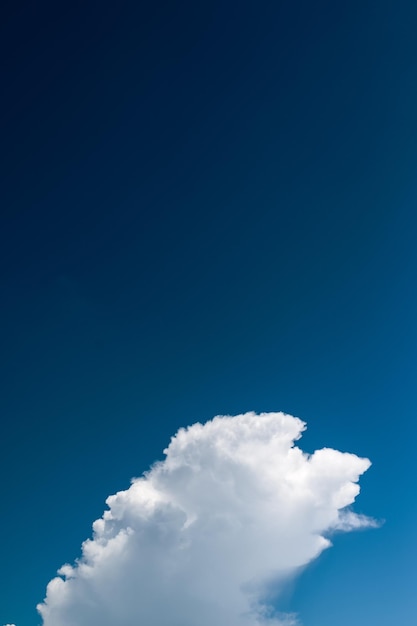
(208,208)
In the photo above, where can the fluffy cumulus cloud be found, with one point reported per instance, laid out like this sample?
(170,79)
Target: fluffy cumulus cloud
(234,509)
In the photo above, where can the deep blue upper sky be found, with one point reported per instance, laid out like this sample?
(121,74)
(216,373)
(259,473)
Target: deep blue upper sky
(207,208)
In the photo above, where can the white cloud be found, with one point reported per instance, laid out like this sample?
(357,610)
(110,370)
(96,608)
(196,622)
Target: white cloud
(234,507)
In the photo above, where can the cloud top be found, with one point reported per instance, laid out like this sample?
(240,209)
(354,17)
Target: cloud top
(234,506)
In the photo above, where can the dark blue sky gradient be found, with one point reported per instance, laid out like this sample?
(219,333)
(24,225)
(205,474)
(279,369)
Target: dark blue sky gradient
(207,208)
